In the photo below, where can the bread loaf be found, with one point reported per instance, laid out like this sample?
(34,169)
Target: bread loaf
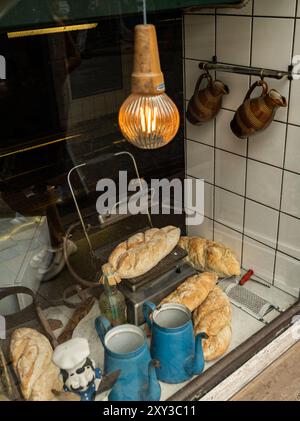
(31,355)
(209,256)
(213,317)
(193,291)
(216,346)
(143,251)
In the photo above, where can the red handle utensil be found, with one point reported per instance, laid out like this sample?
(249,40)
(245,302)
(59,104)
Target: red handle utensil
(246,277)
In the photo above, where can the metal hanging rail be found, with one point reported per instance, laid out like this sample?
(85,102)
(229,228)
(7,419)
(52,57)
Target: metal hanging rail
(244,70)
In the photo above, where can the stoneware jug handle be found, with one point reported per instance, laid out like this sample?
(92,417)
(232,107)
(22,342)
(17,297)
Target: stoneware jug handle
(261,83)
(102,326)
(148,308)
(199,81)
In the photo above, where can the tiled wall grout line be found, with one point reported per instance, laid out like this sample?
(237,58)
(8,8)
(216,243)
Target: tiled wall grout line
(285,147)
(244,156)
(247,150)
(248,198)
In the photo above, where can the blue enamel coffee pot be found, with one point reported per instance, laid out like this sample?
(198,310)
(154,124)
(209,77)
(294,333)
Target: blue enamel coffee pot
(173,343)
(125,348)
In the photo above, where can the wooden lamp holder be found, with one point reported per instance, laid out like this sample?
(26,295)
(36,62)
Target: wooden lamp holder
(147,77)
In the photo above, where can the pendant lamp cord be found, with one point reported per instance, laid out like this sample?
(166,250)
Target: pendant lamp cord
(145,12)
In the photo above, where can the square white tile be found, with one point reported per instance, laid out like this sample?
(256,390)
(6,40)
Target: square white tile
(280,8)
(230,172)
(192,73)
(200,161)
(271,36)
(263,183)
(287,274)
(229,209)
(199,36)
(291,194)
(289,235)
(268,146)
(292,156)
(204,230)
(294,108)
(238,86)
(229,238)
(203,133)
(245,10)
(225,139)
(261,223)
(259,258)
(233,39)
(208,198)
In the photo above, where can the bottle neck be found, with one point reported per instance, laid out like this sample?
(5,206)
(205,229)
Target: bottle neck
(109,285)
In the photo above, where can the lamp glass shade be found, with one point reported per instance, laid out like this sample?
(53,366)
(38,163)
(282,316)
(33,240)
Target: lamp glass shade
(148,118)
(149,122)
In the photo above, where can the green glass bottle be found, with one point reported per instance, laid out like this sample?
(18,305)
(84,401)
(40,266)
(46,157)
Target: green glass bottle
(112,302)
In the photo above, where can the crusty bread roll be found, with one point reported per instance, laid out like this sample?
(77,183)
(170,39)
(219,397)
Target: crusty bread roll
(216,346)
(213,317)
(143,251)
(193,291)
(31,355)
(209,256)
(214,313)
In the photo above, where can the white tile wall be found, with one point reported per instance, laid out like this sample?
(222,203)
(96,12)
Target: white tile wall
(229,209)
(292,157)
(230,171)
(261,223)
(200,161)
(255,203)
(289,236)
(199,45)
(203,134)
(263,182)
(275,8)
(269,37)
(233,39)
(268,146)
(287,274)
(204,230)
(291,194)
(208,199)
(259,258)
(225,139)
(238,86)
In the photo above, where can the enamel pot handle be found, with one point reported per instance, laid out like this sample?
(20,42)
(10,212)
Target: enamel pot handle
(102,326)
(148,308)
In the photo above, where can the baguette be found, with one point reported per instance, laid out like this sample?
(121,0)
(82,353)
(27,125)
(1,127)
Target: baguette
(143,251)
(193,291)
(209,256)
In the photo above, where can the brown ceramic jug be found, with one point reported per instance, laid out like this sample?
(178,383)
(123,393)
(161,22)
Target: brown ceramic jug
(206,103)
(256,114)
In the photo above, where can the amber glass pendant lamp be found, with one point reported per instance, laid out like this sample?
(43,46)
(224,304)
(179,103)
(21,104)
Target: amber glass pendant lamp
(148,118)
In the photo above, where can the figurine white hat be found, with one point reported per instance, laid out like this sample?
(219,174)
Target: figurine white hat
(71,353)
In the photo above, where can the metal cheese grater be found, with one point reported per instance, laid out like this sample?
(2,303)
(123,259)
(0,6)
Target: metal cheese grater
(248,301)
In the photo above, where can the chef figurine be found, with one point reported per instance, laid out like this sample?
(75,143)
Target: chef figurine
(78,371)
